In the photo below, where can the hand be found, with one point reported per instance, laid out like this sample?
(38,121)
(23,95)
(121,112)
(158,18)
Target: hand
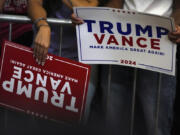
(41,44)
(175,35)
(76,20)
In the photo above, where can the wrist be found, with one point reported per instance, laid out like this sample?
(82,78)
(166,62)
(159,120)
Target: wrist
(40,21)
(44,26)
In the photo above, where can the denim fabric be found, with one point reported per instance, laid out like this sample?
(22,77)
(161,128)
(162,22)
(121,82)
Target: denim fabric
(92,87)
(119,102)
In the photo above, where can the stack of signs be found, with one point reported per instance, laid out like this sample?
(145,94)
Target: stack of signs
(56,91)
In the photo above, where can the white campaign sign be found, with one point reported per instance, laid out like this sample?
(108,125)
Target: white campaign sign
(122,37)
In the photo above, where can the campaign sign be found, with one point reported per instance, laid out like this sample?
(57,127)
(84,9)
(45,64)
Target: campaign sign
(56,91)
(128,38)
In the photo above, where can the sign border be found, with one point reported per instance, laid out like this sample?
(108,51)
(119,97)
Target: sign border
(7,43)
(115,61)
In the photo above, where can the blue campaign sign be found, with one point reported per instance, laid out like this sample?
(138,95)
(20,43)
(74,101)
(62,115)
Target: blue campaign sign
(128,38)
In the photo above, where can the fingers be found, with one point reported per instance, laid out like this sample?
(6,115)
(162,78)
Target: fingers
(175,38)
(172,37)
(40,54)
(41,45)
(35,52)
(76,20)
(44,56)
(175,35)
(178,41)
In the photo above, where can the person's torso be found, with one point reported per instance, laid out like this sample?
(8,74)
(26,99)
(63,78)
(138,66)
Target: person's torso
(158,7)
(69,44)
(15,6)
(18,7)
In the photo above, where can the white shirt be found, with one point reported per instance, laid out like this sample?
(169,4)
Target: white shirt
(158,7)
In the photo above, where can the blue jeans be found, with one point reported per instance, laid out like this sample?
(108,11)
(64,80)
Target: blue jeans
(119,103)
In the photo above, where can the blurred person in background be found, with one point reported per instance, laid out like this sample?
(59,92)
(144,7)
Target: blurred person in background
(47,36)
(121,88)
(119,110)
(21,33)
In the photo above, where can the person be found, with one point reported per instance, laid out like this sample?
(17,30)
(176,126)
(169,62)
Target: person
(118,114)
(21,33)
(46,39)
(121,88)
(38,11)
(1,5)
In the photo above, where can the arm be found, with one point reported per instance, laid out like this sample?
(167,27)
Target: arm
(175,36)
(115,3)
(42,39)
(111,3)
(1,5)
(176,11)
(82,3)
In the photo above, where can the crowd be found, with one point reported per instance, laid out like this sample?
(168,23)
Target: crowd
(46,40)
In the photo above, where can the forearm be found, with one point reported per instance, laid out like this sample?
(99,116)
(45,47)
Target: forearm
(176,11)
(82,3)
(36,10)
(42,39)
(175,35)
(115,3)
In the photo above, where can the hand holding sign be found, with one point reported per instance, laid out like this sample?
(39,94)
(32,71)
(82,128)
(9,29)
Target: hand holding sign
(175,35)
(125,38)
(56,90)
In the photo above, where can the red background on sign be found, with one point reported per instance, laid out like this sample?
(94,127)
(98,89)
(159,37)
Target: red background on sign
(59,65)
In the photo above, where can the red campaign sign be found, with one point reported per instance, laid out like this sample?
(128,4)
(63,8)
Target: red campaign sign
(55,91)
